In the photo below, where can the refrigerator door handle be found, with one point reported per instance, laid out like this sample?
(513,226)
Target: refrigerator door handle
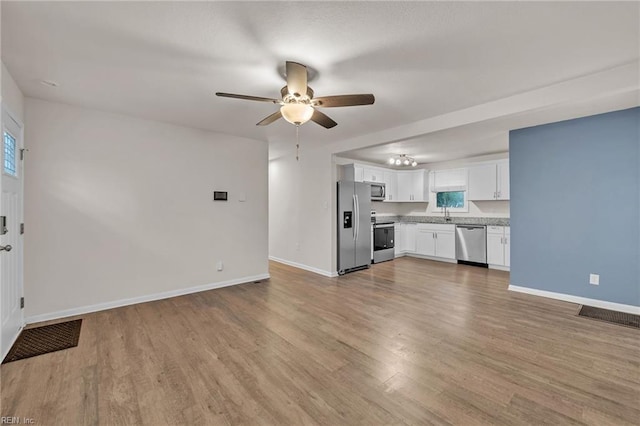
(355,219)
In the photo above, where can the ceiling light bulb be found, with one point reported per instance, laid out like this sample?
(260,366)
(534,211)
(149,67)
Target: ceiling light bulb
(406,162)
(414,164)
(398,162)
(296,113)
(392,160)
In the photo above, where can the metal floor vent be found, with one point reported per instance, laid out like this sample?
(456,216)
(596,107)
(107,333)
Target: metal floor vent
(615,317)
(45,339)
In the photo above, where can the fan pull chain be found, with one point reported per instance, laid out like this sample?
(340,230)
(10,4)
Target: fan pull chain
(297,142)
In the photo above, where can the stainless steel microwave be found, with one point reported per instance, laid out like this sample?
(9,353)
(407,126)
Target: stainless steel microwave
(377,191)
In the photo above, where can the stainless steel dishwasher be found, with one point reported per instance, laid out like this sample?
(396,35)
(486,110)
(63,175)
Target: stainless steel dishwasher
(471,243)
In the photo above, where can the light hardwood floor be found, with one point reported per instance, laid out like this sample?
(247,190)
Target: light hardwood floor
(406,342)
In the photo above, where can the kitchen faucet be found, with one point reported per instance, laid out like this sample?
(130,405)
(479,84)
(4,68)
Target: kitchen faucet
(447,218)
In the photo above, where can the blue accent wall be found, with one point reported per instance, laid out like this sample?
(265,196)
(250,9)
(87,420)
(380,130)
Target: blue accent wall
(575,206)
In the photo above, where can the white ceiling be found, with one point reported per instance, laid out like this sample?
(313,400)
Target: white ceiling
(165,60)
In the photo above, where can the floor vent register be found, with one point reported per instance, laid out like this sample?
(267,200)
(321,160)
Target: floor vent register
(43,340)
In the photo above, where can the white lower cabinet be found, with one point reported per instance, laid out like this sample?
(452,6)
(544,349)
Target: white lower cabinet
(398,232)
(409,238)
(499,246)
(436,240)
(507,246)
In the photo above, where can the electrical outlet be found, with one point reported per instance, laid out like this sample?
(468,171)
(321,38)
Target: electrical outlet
(594,279)
(219,265)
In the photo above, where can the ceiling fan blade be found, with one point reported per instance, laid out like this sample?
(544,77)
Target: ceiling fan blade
(270,119)
(248,98)
(296,78)
(343,100)
(323,119)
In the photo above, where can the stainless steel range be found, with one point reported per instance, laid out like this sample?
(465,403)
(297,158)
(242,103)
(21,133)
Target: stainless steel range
(383,241)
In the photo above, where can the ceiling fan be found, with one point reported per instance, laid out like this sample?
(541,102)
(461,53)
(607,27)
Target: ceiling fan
(298,104)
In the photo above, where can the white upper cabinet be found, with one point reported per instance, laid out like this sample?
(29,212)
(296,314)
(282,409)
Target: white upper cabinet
(412,185)
(405,186)
(373,175)
(503,180)
(482,182)
(390,186)
(449,180)
(353,172)
(489,181)
(400,185)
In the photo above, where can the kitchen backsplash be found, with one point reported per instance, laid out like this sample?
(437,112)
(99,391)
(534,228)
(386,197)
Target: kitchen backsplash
(497,209)
(489,221)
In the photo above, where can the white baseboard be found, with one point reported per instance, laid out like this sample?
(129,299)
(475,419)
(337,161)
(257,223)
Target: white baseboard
(438,259)
(140,299)
(500,267)
(305,267)
(630,309)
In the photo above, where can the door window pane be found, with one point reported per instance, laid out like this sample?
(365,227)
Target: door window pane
(9,154)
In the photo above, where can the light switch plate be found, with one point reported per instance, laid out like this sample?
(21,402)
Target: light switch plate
(594,279)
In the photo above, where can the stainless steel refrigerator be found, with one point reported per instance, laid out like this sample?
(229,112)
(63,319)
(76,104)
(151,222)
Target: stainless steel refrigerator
(354,226)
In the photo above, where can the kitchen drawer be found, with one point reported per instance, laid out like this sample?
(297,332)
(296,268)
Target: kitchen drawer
(495,230)
(436,227)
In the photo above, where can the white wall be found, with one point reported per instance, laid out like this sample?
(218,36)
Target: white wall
(119,208)
(12,97)
(300,199)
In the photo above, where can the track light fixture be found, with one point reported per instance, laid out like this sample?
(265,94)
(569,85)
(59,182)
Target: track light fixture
(402,160)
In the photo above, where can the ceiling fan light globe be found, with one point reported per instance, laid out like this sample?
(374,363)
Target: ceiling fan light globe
(398,162)
(414,164)
(406,162)
(392,160)
(296,113)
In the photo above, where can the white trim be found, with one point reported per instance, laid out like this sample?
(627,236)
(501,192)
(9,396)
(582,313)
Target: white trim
(499,267)
(141,299)
(305,267)
(6,350)
(437,259)
(630,309)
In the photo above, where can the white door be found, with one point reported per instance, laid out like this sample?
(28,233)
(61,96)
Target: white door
(426,242)
(409,237)
(495,249)
(503,181)
(405,186)
(507,246)
(482,183)
(418,185)
(446,244)
(10,237)
(390,186)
